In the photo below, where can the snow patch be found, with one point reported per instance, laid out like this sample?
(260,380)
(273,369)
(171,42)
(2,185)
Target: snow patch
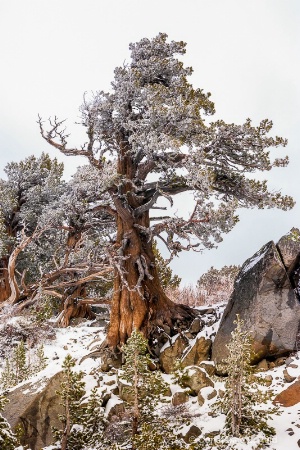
(252,262)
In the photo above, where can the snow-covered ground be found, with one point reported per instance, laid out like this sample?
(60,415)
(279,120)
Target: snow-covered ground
(80,340)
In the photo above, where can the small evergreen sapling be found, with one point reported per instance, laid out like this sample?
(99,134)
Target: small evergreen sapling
(72,390)
(21,368)
(44,309)
(180,375)
(93,423)
(41,362)
(7,439)
(83,425)
(144,389)
(18,366)
(7,375)
(245,418)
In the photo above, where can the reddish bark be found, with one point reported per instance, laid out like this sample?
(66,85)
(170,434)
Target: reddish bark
(4,281)
(139,301)
(73,308)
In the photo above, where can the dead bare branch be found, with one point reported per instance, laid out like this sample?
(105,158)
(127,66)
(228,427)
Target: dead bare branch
(57,137)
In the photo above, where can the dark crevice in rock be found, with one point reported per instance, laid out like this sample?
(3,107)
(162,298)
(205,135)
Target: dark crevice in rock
(292,273)
(289,250)
(264,297)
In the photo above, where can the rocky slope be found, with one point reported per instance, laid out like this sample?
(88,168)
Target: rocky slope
(265,295)
(35,406)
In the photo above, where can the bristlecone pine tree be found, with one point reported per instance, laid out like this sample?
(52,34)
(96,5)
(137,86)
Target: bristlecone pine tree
(144,390)
(245,403)
(7,439)
(148,141)
(30,186)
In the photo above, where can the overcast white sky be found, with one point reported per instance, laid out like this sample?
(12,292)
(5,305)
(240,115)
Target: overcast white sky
(246,53)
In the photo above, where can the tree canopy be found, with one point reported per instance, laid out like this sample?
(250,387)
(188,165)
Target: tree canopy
(52,237)
(148,140)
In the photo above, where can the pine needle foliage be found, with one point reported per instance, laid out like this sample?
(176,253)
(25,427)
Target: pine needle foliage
(44,310)
(82,424)
(71,393)
(144,390)
(41,359)
(7,375)
(180,375)
(16,367)
(8,440)
(244,397)
(93,422)
(157,437)
(19,365)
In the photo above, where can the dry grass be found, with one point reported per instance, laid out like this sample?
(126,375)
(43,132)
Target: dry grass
(192,296)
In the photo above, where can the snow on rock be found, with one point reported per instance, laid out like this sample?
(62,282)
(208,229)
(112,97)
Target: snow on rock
(35,400)
(114,406)
(251,262)
(264,299)
(77,341)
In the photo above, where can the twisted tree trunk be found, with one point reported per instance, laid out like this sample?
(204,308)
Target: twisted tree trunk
(4,280)
(139,301)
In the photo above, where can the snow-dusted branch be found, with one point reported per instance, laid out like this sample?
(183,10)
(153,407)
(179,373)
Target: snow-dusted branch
(57,137)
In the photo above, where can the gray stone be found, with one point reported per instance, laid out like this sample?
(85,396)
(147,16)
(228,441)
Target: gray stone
(221,393)
(188,335)
(105,396)
(263,297)
(110,382)
(192,433)
(293,366)
(101,311)
(167,329)
(36,408)
(287,377)
(196,326)
(196,379)
(289,360)
(212,394)
(179,398)
(209,310)
(289,249)
(170,354)
(108,360)
(114,408)
(197,353)
(280,362)
(268,380)
(208,367)
(201,399)
(125,392)
(262,366)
